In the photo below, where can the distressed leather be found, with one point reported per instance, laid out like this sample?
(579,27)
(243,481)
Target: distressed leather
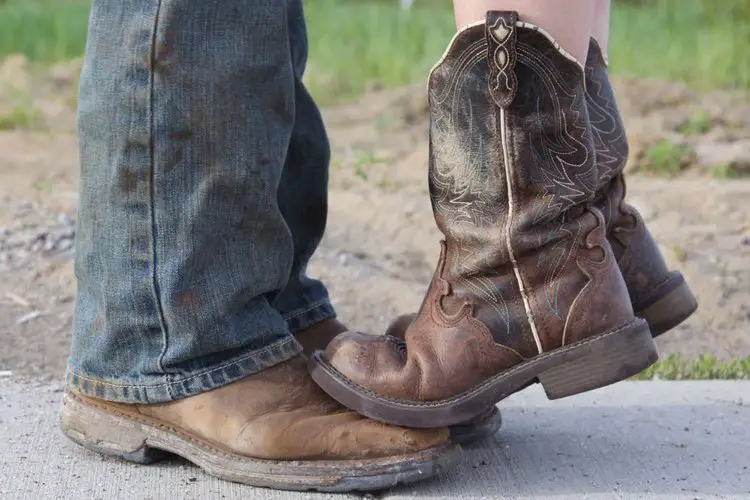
(279,414)
(638,256)
(525,265)
(641,262)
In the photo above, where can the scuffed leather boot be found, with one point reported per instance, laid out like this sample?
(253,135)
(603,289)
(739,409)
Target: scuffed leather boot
(660,296)
(527,287)
(275,429)
(319,335)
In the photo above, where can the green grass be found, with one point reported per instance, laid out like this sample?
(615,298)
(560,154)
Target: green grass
(705,367)
(697,124)
(358,43)
(20,116)
(726,171)
(43,30)
(372,43)
(701,42)
(666,159)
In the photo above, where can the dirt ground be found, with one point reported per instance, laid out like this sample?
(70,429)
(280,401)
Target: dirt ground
(382,244)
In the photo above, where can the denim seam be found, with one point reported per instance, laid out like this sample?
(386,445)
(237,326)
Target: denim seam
(152,206)
(278,345)
(309,308)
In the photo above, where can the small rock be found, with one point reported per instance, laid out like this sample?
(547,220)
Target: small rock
(64,219)
(28,317)
(63,243)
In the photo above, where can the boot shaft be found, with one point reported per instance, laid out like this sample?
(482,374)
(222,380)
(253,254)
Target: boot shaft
(611,147)
(610,140)
(512,171)
(500,150)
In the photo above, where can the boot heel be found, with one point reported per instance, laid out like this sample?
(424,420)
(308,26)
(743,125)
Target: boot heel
(106,433)
(609,358)
(670,309)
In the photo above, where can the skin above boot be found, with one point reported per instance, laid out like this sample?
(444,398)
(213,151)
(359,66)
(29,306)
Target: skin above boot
(527,287)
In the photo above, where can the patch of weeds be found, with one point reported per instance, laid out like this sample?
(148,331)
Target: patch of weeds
(725,171)
(697,124)
(364,159)
(17,109)
(679,253)
(704,367)
(386,183)
(19,117)
(384,121)
(667,159)
(359,171)
(43,185)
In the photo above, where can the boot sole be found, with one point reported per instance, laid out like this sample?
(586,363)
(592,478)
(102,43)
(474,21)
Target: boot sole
(669,308)
(145,440)
(483,426)
(592,363)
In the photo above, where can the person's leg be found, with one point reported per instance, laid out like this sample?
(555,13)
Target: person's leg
(568,21)
(183,135)
(303,201)
(186,112)
(600,29)
(527,287)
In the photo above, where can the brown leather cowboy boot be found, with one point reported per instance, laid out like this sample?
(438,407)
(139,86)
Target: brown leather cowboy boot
(275,429)
(660,296)
(319,335)
(527,287)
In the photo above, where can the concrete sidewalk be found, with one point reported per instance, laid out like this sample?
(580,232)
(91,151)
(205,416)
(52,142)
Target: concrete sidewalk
(649,440)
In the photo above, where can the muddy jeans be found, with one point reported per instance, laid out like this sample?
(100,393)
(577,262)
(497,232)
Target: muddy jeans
(204,171)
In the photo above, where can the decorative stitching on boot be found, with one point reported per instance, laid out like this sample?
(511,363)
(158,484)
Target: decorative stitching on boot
(501,55)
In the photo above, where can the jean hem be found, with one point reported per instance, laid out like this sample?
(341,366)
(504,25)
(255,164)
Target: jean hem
(173,388)
(310,314)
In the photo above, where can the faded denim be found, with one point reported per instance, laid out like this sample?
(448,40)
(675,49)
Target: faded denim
(204,172)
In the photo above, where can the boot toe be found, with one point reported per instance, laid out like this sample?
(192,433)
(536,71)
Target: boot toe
(375,362)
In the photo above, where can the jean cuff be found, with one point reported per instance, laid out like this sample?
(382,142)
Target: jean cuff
(172,388)
(309,314)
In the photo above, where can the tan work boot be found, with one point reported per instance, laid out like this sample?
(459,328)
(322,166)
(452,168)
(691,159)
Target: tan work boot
(319,335)
(275,429)
(527,287)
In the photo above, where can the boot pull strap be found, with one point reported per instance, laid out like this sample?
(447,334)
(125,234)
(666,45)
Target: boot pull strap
(501,56)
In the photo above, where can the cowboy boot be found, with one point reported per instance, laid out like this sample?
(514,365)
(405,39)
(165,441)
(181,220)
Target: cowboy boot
(320,334)
(275,429)
(527,287)
(660,296)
